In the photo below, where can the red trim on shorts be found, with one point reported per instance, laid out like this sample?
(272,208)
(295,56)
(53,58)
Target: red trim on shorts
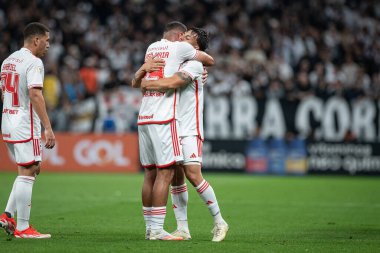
(149,166)
(27,164)
(165,165)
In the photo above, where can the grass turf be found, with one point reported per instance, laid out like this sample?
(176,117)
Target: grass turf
(102,213)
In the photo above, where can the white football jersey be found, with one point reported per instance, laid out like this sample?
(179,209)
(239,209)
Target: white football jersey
(20,72)
(190,109)
(160,107)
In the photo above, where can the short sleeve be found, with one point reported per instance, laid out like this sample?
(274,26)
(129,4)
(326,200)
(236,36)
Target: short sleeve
(35,74)
(185,51)
(192,68)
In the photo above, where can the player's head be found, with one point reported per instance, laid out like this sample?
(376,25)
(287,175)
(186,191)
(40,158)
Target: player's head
(174,30)
(36,38)
(197,37)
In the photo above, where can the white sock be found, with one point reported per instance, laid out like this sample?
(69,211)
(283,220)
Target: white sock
(23,195)
(158,218)
(11,205)
(207,194)
(147,217)
(180,197)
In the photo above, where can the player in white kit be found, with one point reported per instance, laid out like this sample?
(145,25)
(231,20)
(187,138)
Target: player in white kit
(159,144)
(190,116)
(22,75)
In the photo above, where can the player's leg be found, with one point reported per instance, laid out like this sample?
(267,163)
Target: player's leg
(167,152)
(28,158)
(7,221)
(192,147)
(147,189)
(180,197)
(148,162)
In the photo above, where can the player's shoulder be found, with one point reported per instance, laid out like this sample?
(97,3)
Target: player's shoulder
(193,64)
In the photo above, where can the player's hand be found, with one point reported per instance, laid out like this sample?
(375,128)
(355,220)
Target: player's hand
(144,84)
(204,76)
(49,138)
(154,64)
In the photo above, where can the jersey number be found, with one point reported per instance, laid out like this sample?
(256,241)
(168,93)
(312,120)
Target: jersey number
(9,83)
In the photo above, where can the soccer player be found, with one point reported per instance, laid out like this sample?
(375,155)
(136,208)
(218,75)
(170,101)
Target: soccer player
(189,80)
(22,75)
(159,144)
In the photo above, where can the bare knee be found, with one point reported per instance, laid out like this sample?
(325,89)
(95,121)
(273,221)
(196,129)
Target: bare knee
(193,174)
(166,174)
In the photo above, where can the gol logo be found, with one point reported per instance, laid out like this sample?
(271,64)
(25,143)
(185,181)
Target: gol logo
(100,152)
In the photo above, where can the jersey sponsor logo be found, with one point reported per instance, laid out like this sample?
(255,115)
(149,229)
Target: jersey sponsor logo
(10,111)
(9,66)
(154,94)
(142,117)
(193,156)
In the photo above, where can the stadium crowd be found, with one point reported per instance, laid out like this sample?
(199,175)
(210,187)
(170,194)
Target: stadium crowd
(264,48)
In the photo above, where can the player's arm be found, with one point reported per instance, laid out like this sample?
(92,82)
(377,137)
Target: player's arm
(151,64)
(38,103)
(205,58)
(178,80)
(188,52)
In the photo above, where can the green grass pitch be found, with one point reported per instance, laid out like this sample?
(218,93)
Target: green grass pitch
(102,213)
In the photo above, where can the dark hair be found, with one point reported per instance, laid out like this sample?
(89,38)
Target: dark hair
(33,29)
(175,25)
(202,37)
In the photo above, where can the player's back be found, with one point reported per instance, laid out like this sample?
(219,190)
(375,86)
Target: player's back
(159,107)
(20,71)
(190,109)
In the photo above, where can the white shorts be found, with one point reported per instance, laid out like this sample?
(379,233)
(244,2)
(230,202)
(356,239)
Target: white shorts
(159,145)
(192,149)
(26,153)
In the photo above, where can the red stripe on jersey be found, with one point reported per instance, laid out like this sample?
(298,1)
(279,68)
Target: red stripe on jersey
(197,106)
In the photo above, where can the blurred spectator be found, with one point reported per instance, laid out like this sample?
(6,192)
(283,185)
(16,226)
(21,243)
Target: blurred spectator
(282,49)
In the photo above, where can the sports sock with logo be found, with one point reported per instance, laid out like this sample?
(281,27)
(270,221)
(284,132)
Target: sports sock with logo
(23,195)
(158,217)
(180,197)
(147,217)
(206,192)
